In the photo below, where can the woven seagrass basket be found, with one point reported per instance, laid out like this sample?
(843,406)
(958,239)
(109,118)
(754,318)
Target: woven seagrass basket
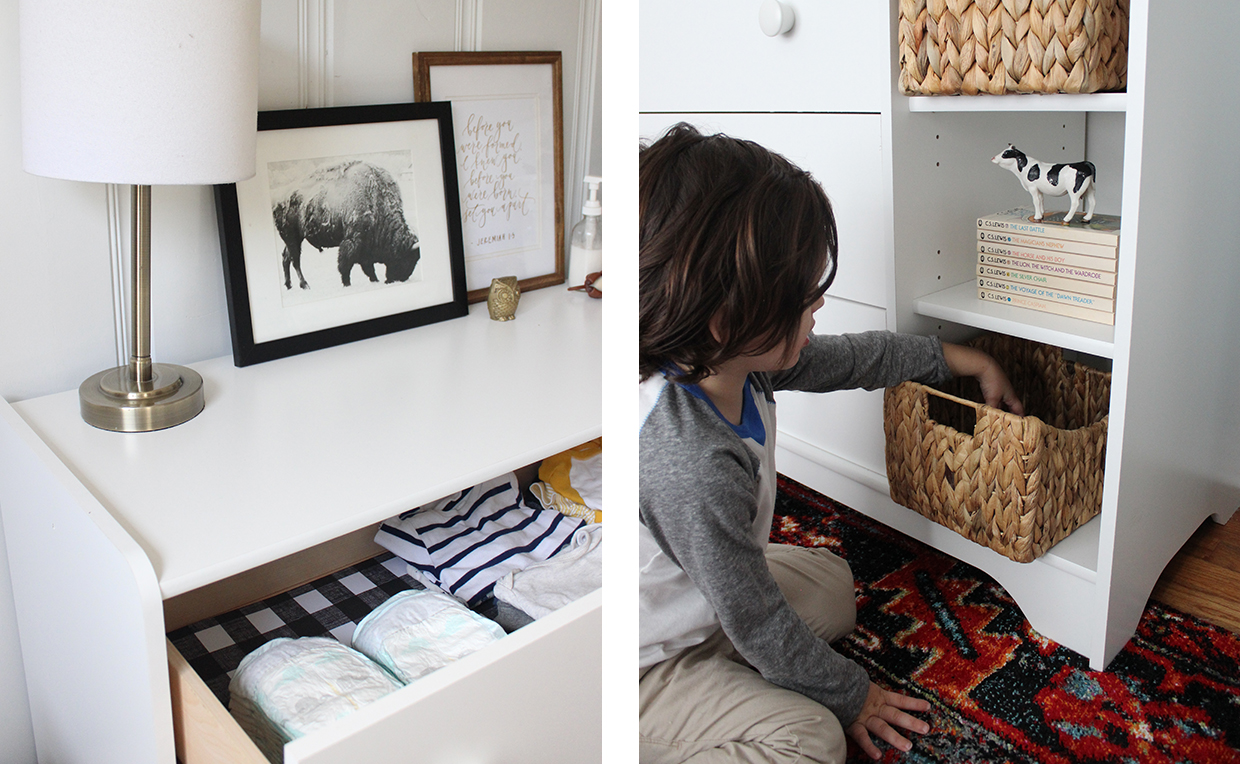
(1016,484)
(948,47)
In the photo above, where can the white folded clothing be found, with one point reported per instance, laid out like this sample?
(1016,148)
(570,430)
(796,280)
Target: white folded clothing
(415,632)
(289,687)
(571,574)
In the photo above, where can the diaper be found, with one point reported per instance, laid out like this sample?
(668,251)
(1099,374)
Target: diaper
(415,632)
(289,687)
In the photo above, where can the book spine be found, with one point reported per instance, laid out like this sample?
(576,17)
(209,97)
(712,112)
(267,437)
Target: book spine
(1042,243)
(1049,281)
(1047,294)
(1046,230)
(1093,269)
(1046,306)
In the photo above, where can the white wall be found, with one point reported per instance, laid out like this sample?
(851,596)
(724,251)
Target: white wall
(63,240)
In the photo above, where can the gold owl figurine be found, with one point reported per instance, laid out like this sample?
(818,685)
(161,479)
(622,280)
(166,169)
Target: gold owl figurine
(503,298)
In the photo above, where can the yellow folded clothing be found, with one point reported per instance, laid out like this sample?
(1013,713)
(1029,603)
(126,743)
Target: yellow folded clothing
(572,481)
(548,497)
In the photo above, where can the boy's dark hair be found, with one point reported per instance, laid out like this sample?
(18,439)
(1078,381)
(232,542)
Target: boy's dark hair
(729,232)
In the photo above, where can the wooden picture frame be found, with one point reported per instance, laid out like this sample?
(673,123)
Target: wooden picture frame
(349,229)
(507,108)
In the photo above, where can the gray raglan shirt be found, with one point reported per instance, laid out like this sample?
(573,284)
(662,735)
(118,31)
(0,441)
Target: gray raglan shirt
(706,496)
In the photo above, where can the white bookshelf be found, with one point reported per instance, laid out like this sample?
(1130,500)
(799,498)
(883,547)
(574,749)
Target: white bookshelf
(1170,460)
(1166,160)
(1059,102)
(961,305)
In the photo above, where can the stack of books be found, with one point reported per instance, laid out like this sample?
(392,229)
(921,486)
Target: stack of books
(1048,266)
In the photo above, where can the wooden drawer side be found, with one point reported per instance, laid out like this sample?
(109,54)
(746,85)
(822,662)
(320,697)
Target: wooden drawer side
(203,730)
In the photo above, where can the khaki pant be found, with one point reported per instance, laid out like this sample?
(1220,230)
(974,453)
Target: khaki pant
(707,705)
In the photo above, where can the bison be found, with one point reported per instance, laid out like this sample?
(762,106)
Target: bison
(355,206)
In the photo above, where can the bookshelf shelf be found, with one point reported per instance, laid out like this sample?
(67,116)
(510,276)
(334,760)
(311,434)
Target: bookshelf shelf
(1095,102)
(961,305)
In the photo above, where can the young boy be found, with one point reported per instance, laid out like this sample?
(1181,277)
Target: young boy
(738,247)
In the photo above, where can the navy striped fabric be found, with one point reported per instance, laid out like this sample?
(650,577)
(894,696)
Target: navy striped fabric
(465,543)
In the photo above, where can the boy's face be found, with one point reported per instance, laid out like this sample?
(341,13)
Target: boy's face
(785,355)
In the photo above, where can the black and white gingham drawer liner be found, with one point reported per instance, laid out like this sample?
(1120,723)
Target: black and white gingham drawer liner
(331,606)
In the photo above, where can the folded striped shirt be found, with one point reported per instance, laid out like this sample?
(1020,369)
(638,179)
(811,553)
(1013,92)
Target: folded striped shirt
(464,543)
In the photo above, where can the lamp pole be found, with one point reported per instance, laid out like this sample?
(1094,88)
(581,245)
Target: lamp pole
(140,288)
(142,396)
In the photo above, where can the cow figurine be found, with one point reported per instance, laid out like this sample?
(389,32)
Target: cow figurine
(1042,178)
(355,206)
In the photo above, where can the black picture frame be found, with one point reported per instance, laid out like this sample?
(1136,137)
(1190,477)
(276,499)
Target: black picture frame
(324,170)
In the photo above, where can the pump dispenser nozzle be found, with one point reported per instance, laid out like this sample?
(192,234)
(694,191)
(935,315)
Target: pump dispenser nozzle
(593,204)
(585,256)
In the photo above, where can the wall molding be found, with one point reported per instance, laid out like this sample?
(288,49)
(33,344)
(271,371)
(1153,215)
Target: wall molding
(120,269)
(577,162)
(315,54)
(468,25)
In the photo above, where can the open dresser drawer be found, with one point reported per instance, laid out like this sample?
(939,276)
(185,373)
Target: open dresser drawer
(532,696)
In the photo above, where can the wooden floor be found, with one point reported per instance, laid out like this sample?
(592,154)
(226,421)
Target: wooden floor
(1204,578)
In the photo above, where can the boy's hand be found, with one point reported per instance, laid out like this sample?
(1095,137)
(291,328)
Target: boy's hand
(883,709)
(996,389)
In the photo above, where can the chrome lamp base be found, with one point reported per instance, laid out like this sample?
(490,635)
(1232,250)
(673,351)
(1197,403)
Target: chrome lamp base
(114,399)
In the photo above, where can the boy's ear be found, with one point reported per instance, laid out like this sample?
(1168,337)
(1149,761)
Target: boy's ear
(716,326)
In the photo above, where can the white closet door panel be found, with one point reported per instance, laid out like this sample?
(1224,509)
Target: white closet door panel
(497,705)
(847,423)
(514,25)
(702,55)
(278,55)
(189,312)
(373,43)
(845,154)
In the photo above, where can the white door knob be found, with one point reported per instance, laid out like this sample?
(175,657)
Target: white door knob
(776,18)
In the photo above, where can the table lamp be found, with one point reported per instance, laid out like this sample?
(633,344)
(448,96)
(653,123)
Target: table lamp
(140,92)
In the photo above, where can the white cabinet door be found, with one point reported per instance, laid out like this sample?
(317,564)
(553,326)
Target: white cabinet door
(845,154)
(847,423)
(706,55)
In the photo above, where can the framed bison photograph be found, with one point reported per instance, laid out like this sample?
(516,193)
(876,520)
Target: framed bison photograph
(350,228)
(507,110)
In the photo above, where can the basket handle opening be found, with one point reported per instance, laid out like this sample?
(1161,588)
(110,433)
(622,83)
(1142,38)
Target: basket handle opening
(961,414)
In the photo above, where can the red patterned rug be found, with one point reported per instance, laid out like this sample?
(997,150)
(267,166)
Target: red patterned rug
(933,627)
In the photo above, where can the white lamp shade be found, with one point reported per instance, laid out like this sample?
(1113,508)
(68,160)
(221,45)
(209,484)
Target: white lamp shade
(143,92)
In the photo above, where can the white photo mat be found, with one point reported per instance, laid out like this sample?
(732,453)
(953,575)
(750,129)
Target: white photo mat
(364,202)
(278,312)
(508,127)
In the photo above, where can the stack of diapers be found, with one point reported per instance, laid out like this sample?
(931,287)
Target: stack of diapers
(572,482)
(415,632)
(465,543)
(289,687)
(550,585)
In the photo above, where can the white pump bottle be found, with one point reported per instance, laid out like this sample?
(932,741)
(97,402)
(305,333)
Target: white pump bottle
(585,255)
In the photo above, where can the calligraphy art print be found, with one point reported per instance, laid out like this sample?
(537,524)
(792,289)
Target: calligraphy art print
(507,114)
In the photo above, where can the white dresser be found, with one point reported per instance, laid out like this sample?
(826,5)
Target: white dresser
(279,480)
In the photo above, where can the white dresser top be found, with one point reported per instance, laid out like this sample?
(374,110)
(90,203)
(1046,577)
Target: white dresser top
(297,451)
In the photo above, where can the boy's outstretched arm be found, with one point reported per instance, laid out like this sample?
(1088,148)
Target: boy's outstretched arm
(996,389)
